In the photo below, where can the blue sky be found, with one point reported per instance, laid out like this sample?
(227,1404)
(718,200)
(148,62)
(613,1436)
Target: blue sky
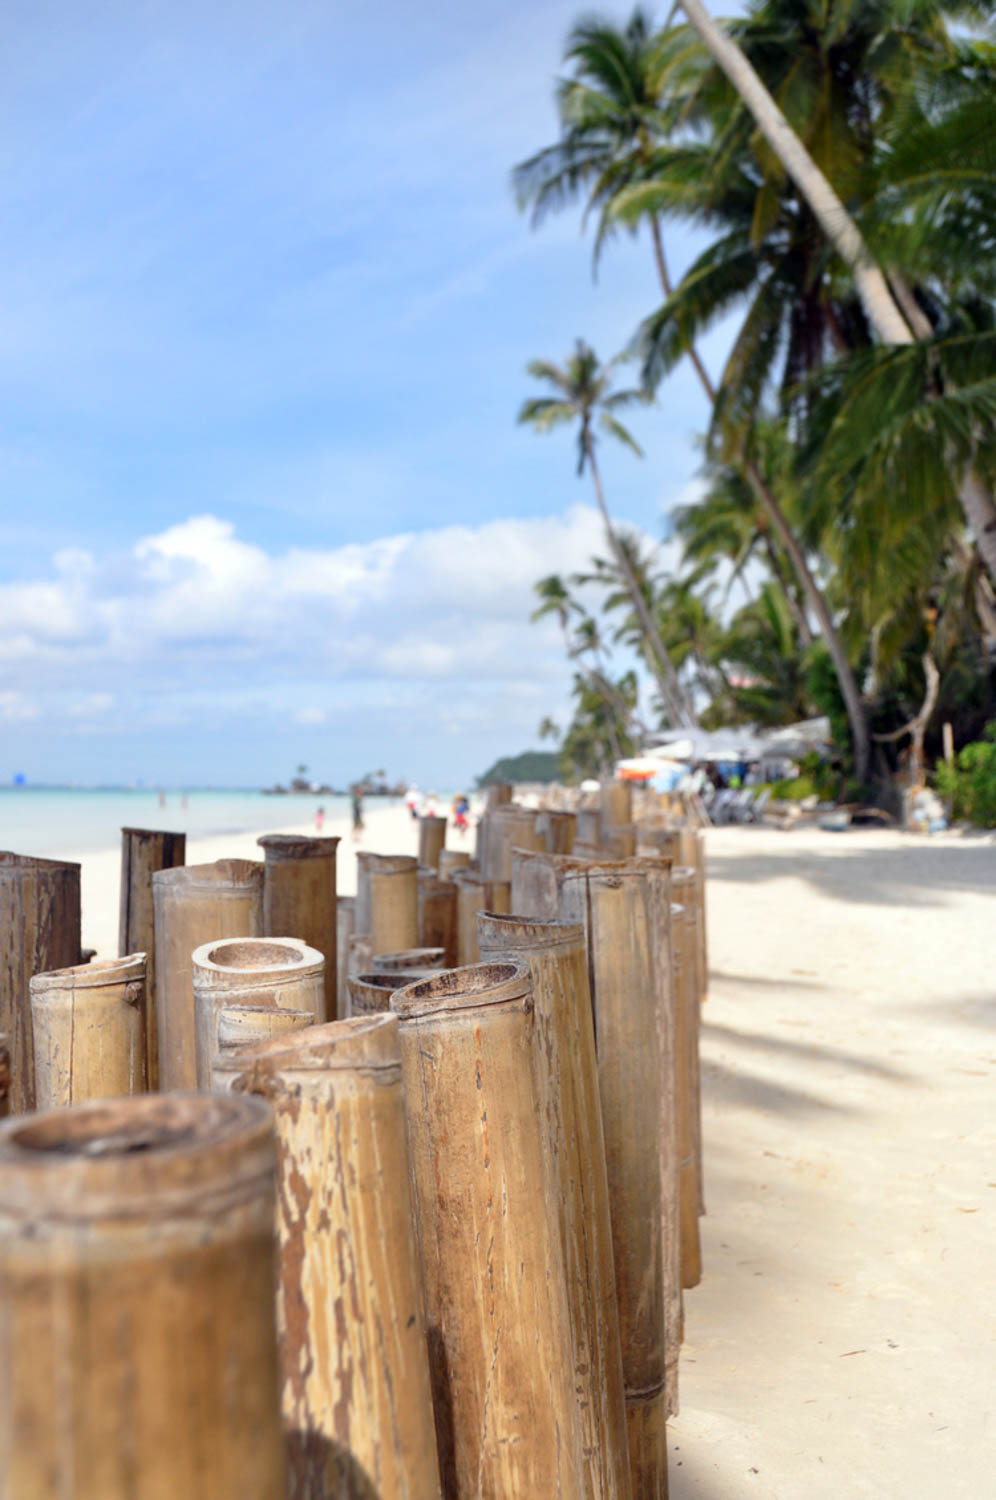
(268,303)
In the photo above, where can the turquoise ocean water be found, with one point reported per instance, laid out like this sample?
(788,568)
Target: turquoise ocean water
(58,821)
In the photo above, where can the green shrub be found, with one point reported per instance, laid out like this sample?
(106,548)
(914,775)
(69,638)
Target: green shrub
(970,784)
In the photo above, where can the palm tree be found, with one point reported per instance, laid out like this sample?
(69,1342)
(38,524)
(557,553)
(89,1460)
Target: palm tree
(583,395)
(842,232)
(626,97)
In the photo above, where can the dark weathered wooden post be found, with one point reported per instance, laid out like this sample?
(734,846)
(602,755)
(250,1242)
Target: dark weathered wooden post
(143,852)
(299,900)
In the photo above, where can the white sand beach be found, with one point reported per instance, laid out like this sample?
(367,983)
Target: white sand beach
(840,1343)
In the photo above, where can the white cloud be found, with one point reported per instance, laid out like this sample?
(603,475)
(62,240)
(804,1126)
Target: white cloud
(14,705)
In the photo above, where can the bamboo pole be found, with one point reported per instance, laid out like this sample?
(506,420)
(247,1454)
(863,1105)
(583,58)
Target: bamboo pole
(370,994)
(143,852)
(345,926)
(685,890)
(559,830)
(474,894)
(409,960)
(138,1353)
(688,1187)
(571,1117)
(616,905)
(387,900)
(488,1230)
(508,828)
(359,958)
(248,1025)
(89,1031)
(4,1077)
(451,860)
(39,930)
(498,794)
(280,972)
(196,904)
(615,806)
(431,839)
(589,826)
(693,854)
(437,914)
(356,1399)
(534,885)
(619,841)
(299,900)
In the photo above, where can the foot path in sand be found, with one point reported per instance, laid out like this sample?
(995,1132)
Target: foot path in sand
(841,1342)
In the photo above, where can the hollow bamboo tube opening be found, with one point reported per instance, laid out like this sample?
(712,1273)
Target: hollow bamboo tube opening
(196,904)
(299,899)
(571,1120)
(475,894)
(143,852)
(136,1286)
(437,914)
(280,972)
(431,838)
(451,860)
(615,903)
(89,1031)
(39,930)
(387,900)
(408,960)
(370,994)
(356,1399)
(489,1237)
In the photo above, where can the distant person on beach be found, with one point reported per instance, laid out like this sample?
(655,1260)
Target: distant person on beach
(461,807)
(319,820)
(413,801)
(356,801)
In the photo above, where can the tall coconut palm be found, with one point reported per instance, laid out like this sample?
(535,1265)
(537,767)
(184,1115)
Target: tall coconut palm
(627,96)
(583,396)
(842,232)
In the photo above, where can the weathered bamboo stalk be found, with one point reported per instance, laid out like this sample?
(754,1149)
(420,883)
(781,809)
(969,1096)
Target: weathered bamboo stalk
(570,1116)
(39,930)
(451,860)
(89,1031)
(498,794)
(196,904)
(138,1352)
(409,961)
(280,972)
(589,826)
(508,828)
(437,914)
(693,855)
(358,959)
(356,1398)
(615,806)
(4,1076)
(619,841)
(370,994)
(615,904)
(688,1187)
(431,839)
(534,890)
(387,900)
(248,1025)
(345,920)
(489,1240)
(559,829)
(686,890)
(475,894)
(299,900)
(143,852)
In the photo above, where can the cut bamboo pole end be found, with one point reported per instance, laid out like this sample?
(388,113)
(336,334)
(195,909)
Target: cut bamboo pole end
(431,839)
(451,860)
(356,1398)
(283,973)
(489,1237)
(89,1031)
(137,1280)
(387,900)
(143,852)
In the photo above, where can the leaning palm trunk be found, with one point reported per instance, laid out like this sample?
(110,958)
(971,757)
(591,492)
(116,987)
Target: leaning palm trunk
(842,232)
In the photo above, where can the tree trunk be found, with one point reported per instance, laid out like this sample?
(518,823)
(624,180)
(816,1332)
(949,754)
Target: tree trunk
(88,1023)
(280,972)
(842,232)
(299,900)
(488,1227)
(356,1398)
(139,1351)
(143,852)
(567,1074)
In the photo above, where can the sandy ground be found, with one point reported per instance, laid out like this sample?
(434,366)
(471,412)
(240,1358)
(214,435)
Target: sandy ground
(841,1342)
